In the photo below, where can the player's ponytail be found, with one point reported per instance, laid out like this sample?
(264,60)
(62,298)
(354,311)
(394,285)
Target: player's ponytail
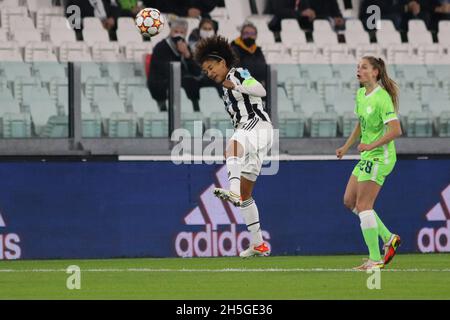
(388,84)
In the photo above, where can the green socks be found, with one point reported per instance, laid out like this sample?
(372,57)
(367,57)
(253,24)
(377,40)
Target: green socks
(384,232)
(369,229)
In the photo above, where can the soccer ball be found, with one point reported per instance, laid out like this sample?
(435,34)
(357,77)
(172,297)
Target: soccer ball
(150,22)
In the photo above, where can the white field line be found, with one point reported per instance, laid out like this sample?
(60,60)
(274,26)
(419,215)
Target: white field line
(219,159)
(229,270)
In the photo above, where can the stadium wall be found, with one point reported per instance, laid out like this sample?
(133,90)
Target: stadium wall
(158,209)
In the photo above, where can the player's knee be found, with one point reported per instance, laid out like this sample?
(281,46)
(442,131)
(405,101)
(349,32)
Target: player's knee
(349,202)
(363,206)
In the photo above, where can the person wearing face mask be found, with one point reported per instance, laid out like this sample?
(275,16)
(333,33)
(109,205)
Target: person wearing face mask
(174,48)
(250,55)
(207,28)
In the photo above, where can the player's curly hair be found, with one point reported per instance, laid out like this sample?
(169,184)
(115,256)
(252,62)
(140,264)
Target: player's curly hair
(215,48)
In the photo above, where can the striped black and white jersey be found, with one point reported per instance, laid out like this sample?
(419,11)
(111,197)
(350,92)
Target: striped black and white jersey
(244,102)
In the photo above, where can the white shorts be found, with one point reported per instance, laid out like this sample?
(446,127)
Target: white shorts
(256,137)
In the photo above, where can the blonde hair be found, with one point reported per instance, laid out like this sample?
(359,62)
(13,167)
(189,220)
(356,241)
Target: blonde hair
(388,84)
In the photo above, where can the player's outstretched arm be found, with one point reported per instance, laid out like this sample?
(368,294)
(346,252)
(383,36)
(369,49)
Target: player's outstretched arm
(350,141)
(252,87)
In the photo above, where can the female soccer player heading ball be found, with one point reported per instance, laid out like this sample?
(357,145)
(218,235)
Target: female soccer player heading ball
(253,135)
(378,126)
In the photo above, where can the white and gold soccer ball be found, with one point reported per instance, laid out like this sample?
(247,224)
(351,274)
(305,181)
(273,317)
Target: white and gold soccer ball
(150,22)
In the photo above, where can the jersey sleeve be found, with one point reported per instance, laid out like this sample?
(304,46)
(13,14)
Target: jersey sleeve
(248,84)
(387,110)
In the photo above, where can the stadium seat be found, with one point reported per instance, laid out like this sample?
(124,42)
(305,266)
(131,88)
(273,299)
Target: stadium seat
(355,33)
(46,71)
(124,36)
(9,3)
(444,31)
(287,71)
(440,71)
(35,99)
(93,31)
(410,72)
(126,23)
(291,34)
(276,57)
(91,125)
(92,24)
(238,11)
(443,124)
(316,71)
(387,34)
(16,125)
(343,58)
(419,124)
(418,33)
(10,13)
(34,5)
(136,51)
(209,102)
(345,72)
(12,122)
(228,30)
(89,70)
(122,125)
(106,52)
(291,124)
(155,125)
(3,35)
(56,127)
(219,13)
(39,51)
(433,58)
(310,48)
(44,15)
(74,51)
(60,32)
(14,69)
(324,125)
(323,33)
(10,51)
(284,103)
(59,92)
(292,86)
(306,58)
(134,92)
(409,101)
(23,37)
(7,101)
(372,49)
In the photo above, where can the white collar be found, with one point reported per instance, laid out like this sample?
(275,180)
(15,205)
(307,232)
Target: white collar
(373,91)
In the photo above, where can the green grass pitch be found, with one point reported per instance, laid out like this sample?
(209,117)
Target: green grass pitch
(300,277)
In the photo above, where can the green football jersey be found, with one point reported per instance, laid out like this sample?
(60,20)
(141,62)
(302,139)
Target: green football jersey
(374,112)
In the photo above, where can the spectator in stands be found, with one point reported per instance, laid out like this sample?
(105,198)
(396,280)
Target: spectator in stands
(440,11)
(206,28)
(101,9)
(390,10)
(305,11)
(415,9)
(399,11)
(174,48)
(126,8)
(184,8)
(250,55)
